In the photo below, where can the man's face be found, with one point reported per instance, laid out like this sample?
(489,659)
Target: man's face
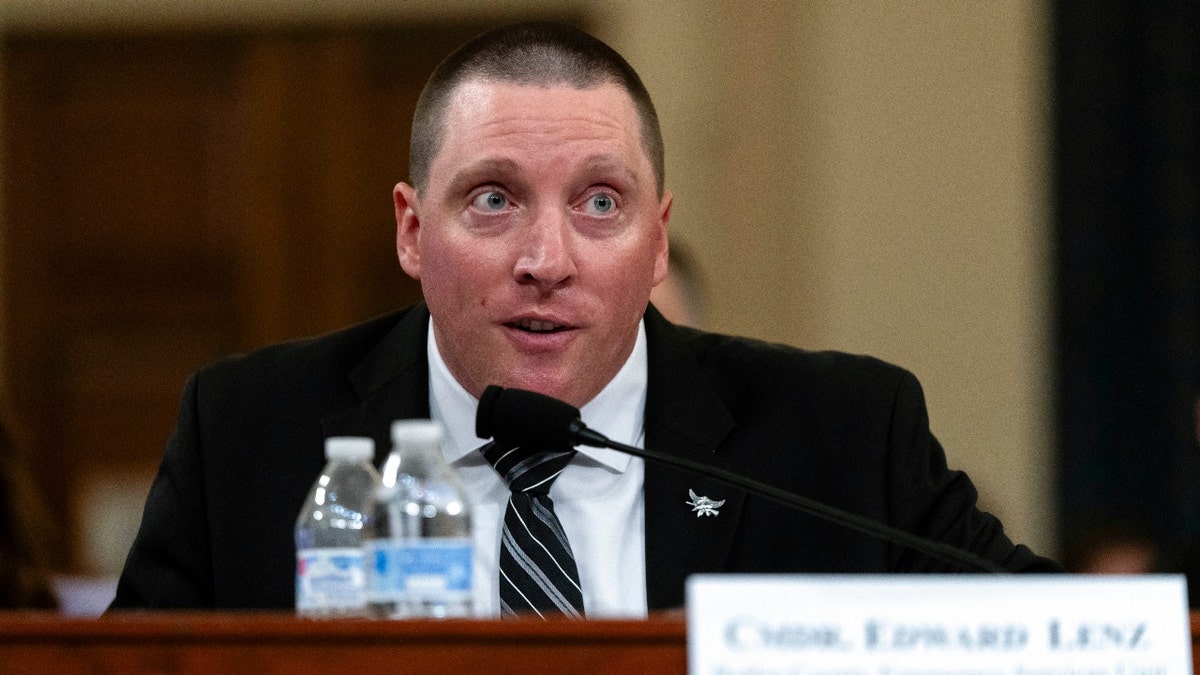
(538,237)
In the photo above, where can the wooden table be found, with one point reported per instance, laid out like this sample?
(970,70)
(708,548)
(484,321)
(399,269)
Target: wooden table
(227,644)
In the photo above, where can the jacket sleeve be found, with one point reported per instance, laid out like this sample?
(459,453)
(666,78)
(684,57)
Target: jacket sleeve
(169,564)
(927,498)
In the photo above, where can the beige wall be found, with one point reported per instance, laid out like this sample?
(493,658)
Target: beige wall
(872,177)
(867,176)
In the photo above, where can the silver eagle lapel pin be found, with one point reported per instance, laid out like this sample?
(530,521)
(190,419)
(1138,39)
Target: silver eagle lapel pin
(703,506)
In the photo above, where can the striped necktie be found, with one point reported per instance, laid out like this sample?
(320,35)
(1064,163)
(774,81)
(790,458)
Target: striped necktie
(537,568)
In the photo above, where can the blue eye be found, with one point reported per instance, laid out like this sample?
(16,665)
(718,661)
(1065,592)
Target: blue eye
(491,201)
(602,203)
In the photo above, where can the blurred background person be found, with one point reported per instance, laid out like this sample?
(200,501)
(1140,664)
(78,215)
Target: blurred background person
(682,297)
(25,533)
(1113,549)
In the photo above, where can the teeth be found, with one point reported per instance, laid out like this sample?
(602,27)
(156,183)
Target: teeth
(537,326)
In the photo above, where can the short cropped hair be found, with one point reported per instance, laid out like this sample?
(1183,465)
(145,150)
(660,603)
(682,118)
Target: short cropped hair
(536,54)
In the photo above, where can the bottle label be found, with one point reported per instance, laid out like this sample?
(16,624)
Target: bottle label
(437,569)
(330,579)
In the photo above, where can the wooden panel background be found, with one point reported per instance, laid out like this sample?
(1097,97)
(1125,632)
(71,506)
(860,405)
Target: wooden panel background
(173,197)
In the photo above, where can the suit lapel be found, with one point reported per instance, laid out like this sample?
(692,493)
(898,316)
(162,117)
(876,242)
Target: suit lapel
(392,383)
(685,417)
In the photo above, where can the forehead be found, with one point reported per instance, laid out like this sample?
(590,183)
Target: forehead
(475,99)
(527,120)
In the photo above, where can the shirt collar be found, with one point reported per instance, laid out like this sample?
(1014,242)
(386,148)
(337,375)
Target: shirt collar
(618,411)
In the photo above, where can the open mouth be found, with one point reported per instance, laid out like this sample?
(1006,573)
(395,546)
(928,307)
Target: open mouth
(535,326)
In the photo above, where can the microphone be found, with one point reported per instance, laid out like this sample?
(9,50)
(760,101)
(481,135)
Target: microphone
(523,418)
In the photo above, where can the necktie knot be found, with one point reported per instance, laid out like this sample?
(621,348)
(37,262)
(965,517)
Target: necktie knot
(527,470)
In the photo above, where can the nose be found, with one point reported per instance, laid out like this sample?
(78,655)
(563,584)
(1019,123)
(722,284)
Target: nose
(546,258)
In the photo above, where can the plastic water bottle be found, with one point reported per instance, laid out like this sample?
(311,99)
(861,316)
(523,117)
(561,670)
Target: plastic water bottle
(419,556)
(330,568)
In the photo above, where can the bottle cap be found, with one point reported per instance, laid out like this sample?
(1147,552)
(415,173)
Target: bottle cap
(416,432)
(353,449)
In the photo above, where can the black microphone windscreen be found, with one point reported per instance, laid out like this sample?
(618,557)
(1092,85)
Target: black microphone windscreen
(525,418)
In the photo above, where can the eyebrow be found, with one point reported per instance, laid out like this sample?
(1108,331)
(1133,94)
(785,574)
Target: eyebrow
(482,171)
(604,163)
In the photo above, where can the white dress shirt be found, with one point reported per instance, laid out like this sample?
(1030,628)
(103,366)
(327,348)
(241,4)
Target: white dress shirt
(598,497)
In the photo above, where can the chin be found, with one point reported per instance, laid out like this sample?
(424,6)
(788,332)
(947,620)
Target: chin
(545,386)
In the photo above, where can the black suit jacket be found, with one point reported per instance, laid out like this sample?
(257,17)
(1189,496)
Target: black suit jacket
(847,430)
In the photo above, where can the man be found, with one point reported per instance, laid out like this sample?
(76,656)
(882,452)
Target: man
(536,221)
(26,533)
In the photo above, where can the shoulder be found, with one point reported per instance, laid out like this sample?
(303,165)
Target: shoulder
(747,367)
(299,365)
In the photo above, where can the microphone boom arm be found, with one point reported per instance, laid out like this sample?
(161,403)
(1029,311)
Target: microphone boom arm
(580,433)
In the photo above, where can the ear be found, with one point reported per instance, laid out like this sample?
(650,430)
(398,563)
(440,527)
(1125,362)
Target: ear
(408,229)
(661,246)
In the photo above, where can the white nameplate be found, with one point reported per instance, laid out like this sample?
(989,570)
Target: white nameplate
(894,624)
